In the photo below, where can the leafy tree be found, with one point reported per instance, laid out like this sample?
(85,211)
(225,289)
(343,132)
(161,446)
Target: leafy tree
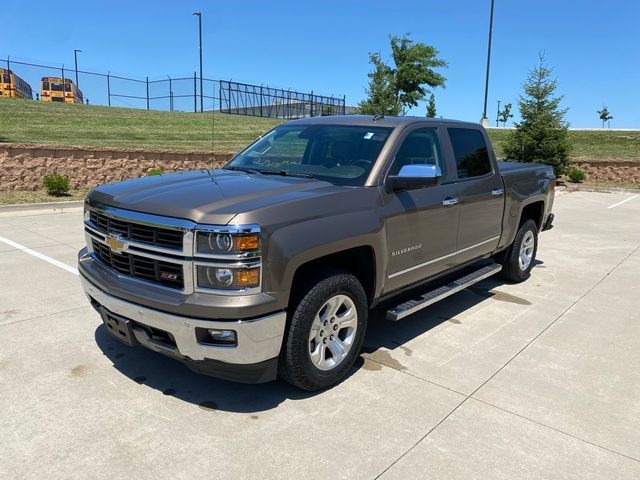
(380,94)
(542,135)
(505,114)
(431,106)
(604,114)
(393,90)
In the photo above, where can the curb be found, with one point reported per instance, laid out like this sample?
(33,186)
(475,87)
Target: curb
(16,207)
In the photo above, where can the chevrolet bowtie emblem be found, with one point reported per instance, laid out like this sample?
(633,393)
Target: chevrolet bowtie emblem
(116,244)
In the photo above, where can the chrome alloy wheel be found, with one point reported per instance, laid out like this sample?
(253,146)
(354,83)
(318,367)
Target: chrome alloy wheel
(526,250)
(333,332)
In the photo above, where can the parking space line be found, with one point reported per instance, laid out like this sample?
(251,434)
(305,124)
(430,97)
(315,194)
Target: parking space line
(624,201)
(39,255)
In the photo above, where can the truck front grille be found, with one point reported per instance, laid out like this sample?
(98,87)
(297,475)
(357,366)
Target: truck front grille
(161,237)
(157,271)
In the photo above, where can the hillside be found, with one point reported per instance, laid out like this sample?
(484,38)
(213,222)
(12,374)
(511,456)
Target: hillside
(32,122)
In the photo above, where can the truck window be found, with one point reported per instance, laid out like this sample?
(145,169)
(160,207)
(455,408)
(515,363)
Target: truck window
(420,147)
(472,157)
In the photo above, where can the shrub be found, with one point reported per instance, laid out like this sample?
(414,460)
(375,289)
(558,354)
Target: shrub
(56,184)
(576,175)
(155,171)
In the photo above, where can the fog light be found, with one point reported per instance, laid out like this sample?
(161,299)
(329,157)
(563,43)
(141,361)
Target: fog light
(214,336)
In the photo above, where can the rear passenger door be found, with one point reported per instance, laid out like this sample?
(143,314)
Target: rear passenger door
(480,194)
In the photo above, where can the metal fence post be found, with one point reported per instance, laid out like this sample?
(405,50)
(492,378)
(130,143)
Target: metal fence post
(195,94)
(109,88)
(311,114)
(147,93)
(261,100)
(344,104)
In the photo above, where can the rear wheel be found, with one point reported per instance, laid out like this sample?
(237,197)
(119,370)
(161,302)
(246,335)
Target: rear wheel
(326,332)
(520,257)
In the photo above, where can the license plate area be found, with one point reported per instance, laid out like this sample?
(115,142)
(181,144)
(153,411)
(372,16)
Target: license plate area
(118,327)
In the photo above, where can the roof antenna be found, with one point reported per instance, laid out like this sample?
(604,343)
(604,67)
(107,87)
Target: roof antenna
(378,116)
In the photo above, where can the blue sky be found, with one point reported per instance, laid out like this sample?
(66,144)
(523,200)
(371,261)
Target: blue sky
(593,46)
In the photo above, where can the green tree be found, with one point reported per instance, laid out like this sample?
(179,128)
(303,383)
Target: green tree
(604,115)
(505,114)
(542,135)
(380,95)
(393,90)
(431,106)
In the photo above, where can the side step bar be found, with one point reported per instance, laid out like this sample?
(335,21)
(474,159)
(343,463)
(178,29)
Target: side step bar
(411,306)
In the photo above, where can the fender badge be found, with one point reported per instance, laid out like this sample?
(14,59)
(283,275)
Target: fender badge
(116,244)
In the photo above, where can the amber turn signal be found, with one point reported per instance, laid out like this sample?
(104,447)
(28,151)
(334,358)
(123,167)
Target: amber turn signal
(247,278)
(247,242)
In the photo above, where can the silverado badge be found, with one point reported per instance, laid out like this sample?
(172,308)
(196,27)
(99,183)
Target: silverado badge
(116,244)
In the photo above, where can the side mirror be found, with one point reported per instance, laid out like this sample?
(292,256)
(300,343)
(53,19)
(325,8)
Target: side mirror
(412,177)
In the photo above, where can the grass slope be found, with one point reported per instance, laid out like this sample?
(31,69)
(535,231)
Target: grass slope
(591,145)
(33,122)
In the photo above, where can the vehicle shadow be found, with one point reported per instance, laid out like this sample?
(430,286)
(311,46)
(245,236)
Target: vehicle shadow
(153,370)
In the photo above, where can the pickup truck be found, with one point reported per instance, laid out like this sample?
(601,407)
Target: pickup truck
(269,266)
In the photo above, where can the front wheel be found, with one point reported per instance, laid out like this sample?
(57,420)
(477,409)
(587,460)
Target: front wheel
(520,257)
(326,332)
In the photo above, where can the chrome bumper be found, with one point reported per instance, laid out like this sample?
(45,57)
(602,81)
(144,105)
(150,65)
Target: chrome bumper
(259,339)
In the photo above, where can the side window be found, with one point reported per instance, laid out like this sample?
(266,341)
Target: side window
(420,147)
(472,157)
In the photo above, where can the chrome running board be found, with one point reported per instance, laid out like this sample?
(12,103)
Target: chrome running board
(411,306)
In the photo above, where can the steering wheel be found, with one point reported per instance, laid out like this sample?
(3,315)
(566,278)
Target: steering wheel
(362,164)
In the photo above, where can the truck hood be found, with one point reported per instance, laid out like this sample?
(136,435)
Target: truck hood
(207,196)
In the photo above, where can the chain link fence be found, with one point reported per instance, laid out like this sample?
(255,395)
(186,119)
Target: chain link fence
(183,93)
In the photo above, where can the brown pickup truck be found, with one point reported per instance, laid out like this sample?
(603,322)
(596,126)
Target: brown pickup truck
(269,266)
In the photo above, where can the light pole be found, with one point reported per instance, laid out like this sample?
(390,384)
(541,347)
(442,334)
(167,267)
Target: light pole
(199,15)
(75,58)
(498,113)
(484,120)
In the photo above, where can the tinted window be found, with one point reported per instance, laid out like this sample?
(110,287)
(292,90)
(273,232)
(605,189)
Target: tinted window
(45,85)
(6,78)
(340,154)
(420,147)
(56,87)
(472,157)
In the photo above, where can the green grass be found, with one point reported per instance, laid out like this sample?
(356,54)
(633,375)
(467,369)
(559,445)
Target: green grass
(13,197)
(592,145)
(32,122)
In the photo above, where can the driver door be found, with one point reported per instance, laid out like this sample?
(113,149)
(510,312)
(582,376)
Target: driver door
(421,224)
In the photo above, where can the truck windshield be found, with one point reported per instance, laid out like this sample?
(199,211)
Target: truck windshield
(340,154)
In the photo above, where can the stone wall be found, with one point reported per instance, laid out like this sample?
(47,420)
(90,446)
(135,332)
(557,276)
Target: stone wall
(22,167)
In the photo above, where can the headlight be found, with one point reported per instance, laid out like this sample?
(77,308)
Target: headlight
(235,240)
(228,278)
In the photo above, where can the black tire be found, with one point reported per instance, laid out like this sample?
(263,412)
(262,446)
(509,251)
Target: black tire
(295,365)
(511,267)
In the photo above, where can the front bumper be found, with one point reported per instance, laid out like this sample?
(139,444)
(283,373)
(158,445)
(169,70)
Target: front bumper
(252,360)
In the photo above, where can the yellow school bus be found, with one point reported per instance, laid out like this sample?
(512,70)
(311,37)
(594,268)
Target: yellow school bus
(11,85)
(56,89)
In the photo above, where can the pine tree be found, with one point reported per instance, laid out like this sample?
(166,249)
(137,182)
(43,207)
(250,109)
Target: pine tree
(542,135)
(431,106)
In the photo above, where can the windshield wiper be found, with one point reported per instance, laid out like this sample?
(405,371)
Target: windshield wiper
(285,173)
(242,169)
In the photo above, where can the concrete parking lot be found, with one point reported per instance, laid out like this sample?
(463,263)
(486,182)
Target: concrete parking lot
(536,380)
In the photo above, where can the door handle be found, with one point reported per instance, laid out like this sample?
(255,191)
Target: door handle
(497,192)
(449,201)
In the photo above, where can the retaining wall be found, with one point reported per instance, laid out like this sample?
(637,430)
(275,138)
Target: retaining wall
(22,167)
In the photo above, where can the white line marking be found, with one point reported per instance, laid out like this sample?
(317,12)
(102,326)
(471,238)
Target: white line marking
(624,201)
(39,255)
